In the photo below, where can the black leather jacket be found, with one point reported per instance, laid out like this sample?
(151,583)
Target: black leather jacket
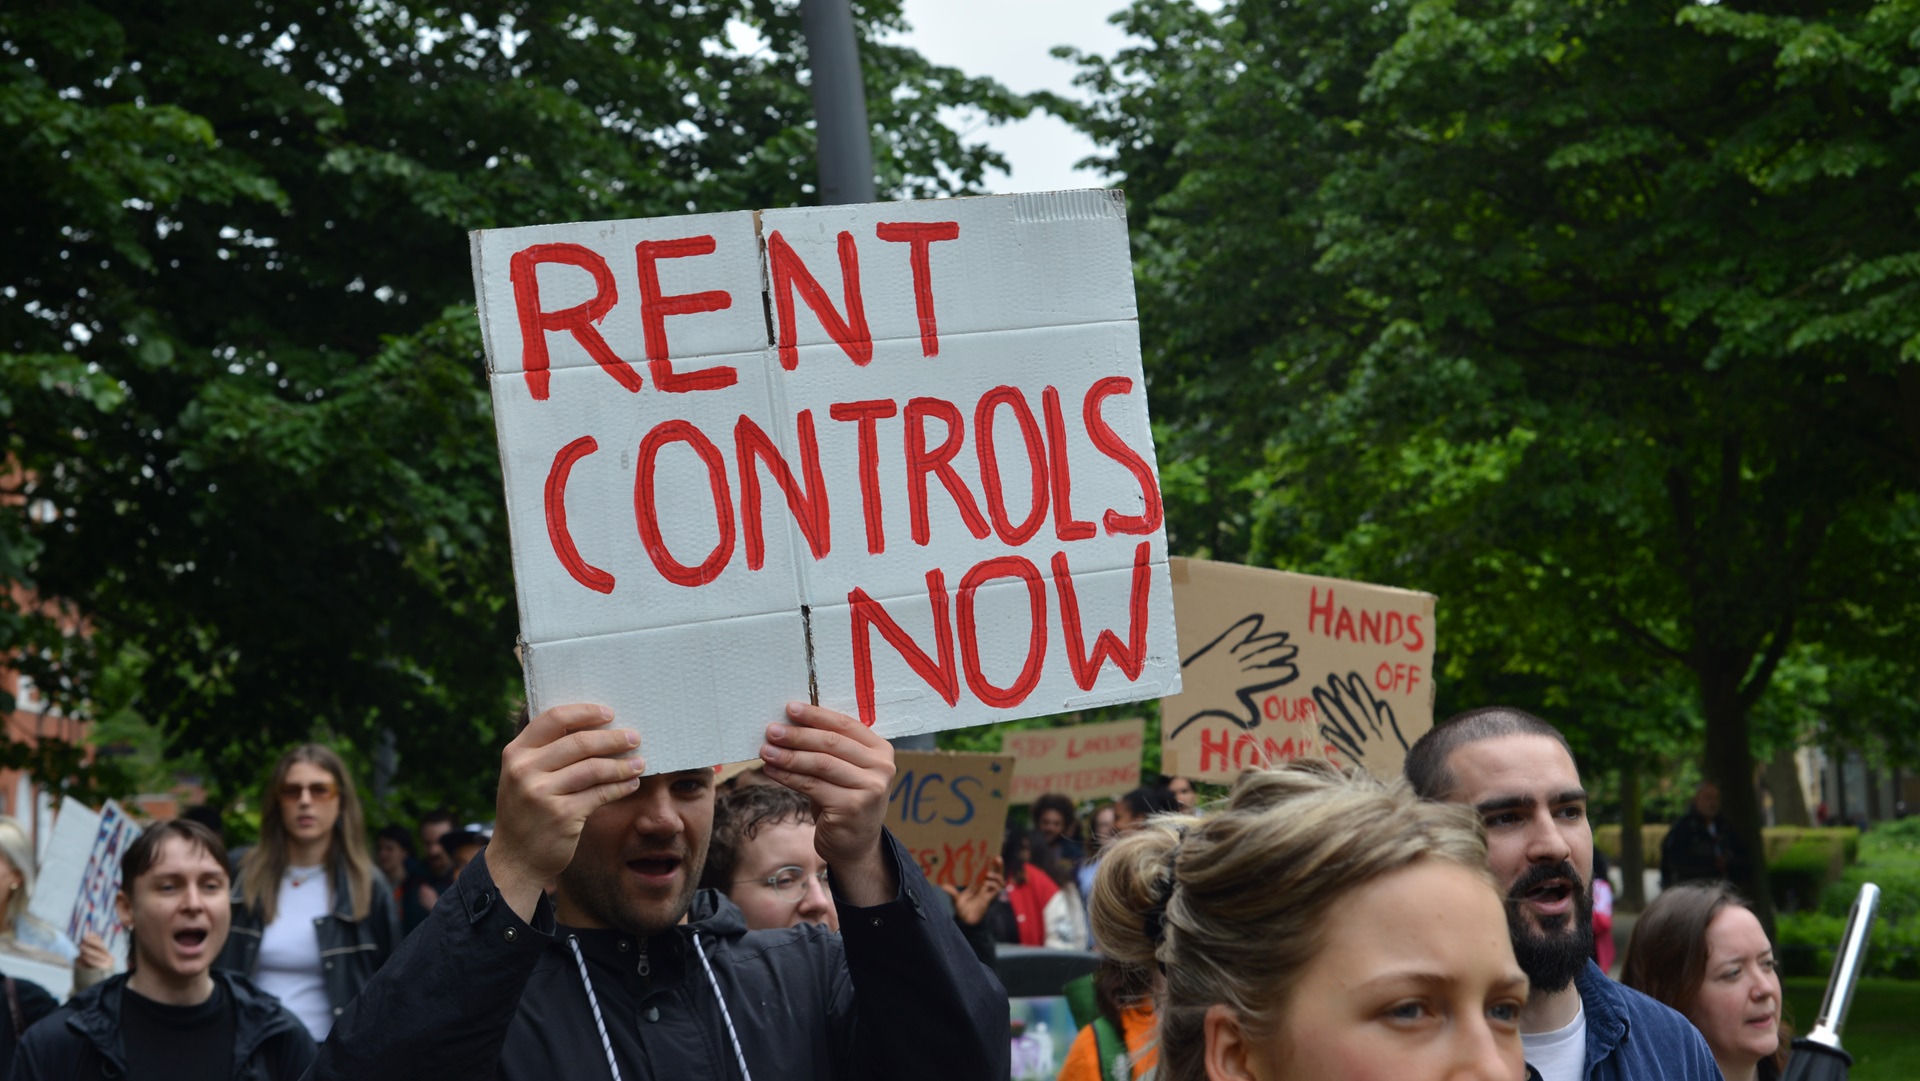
(477,993)
(351,950)
(81,1040)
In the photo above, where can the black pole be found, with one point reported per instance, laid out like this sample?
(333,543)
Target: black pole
(839,102)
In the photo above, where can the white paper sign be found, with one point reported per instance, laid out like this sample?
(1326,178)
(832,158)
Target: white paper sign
(81,874)
(897,452)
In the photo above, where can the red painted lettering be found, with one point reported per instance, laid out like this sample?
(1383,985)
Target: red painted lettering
(1419,640)
(655,308)
(1023,684)
(1114,447)
(1319,613)
(942,675)
(583,572)
(1128,658)
(523,270)
(645,511)
(1213,745)
(939,460)
(789,273)
(809,504)
(920,235)
(990,463)
(869,414)
(1065,525)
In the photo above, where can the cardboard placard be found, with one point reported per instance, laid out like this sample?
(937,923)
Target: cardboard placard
(950,811)
(1081,761)
(76,884)
(896,452)
(1280,666)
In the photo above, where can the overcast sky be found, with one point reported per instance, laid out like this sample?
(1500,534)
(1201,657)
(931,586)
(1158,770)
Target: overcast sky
(1009,40)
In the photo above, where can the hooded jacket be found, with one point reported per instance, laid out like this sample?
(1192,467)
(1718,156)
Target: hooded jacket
(81,1040)
(477,993)
(351,950)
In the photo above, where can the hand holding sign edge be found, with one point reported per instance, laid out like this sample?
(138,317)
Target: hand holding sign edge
(847,771)
(561,768)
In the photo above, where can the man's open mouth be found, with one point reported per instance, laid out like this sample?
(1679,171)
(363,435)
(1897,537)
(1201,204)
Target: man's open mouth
(191,938)
(654,866)
(1551,892)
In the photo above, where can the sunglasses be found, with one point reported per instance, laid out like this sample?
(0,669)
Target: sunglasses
(318,791)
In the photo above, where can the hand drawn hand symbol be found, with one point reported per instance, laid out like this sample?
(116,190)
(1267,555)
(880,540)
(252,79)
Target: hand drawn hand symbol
(1351,717)
(1256,663)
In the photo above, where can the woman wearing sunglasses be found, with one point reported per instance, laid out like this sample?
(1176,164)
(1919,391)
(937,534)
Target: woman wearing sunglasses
(313,918)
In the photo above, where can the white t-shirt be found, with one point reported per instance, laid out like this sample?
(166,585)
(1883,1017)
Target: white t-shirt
(288,967)
(1560,1055)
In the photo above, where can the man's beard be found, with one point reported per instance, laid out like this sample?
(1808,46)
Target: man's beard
(1552,955)
(595,888)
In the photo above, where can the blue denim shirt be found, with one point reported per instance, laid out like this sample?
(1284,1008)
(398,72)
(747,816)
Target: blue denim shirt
(1630,1037)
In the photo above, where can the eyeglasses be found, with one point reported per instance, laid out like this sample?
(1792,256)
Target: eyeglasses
(790,883)
(318,791)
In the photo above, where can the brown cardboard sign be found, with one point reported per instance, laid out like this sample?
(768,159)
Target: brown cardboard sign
(950,811)
(1277,666)
(1082,761)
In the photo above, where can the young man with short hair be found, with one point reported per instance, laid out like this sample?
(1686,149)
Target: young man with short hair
(173,1018)
(1517,773)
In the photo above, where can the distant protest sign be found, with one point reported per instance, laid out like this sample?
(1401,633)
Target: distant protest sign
(950,810)
(894,454)
(1081,762)
(1280,666)
(75,888)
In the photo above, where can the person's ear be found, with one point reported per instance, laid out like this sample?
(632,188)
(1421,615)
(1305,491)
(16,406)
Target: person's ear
(123,906)
(1230,1054)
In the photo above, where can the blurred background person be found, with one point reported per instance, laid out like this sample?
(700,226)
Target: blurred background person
(171,1015)
(1186,797)
(1701,950)
(1603,948)
(439,866)
(1318,927)
(413,898)
(1700,847)
(762,857)
(25,935)
(313,918)
(1131,811)
(1054,820)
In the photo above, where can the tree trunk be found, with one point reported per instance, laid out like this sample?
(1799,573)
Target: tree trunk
(1633,854)
(1789,799)
(1729,763)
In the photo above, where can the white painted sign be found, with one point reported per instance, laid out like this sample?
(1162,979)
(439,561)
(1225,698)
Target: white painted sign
(897,452)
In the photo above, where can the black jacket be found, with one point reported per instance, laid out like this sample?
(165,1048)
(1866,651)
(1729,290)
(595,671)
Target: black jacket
(476,993)
(351,950)
(81,1040)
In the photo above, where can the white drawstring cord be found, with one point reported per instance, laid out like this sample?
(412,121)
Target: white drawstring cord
(738,1055)
(594,1001)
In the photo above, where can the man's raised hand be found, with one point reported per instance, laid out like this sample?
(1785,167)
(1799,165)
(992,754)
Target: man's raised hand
(562,767)
(847,772)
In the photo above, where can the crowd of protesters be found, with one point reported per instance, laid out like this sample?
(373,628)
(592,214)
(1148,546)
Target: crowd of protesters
(1309,923)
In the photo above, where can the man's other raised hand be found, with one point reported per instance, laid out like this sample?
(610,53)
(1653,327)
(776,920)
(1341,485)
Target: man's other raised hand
(847,772)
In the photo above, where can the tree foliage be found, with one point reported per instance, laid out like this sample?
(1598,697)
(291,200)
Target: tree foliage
(250,442)
(1597,319)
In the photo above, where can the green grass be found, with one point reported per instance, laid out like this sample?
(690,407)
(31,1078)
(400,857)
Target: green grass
(1883,1026)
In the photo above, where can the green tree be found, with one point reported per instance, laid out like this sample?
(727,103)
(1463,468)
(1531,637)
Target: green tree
(1595,319)
(250,445)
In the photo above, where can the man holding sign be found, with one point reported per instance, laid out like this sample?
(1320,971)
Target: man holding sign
(627,968)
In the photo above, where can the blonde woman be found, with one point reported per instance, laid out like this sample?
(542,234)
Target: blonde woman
(24,935)
(1319,927)
(313,918)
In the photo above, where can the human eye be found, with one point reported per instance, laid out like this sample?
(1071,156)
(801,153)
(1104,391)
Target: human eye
(787,878)
(1407,1012)
(1505,1013)
(1573,811)
(1502,818)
